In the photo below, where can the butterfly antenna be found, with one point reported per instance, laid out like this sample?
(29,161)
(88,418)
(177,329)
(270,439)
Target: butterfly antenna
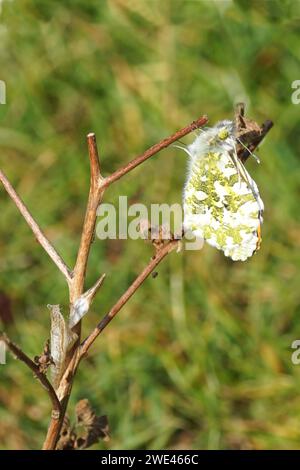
(234,157)
(242,172)
(182,147)
(251,153)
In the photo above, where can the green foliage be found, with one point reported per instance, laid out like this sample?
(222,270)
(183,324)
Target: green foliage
(201,356)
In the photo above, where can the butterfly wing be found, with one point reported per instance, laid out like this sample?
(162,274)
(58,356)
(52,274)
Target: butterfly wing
(220,206)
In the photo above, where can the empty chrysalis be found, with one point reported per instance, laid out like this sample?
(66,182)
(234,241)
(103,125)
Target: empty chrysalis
(61,341)
(221,201)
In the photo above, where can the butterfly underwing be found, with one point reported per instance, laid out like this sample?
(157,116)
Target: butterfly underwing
(221,201)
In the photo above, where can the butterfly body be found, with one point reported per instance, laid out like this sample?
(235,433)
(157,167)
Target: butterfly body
(221,201)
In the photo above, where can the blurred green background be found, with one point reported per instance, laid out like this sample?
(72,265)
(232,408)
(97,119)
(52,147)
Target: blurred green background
(201,356)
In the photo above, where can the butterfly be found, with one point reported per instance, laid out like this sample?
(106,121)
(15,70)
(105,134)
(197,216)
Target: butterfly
(221,201)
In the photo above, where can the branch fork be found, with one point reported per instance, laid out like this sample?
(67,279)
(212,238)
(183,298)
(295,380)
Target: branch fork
(81,300)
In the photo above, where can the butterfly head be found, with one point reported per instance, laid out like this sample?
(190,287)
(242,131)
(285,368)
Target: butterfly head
(224,129)
(223,133)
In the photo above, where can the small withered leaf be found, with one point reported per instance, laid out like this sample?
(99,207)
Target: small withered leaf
(45,359)
(67,437)
(88,430)
(95,427)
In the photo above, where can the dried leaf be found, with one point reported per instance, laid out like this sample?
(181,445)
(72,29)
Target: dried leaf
(95,427)
(67,437)
(45,359)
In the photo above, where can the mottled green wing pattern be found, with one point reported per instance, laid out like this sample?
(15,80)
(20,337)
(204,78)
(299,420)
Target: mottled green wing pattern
(220,206)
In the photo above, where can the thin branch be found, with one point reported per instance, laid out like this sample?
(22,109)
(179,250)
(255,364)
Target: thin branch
(38,233)
(66,382)
(98,184)
(153,150)
(95,196)
(76,287)
(56,407)
(63,392)
(159,256)
(97,188)
(94,158)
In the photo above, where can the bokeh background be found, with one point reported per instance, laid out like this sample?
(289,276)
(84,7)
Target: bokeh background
(200,358)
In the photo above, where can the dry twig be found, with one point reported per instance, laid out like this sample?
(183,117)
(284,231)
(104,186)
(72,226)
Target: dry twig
(37,231)
(76,278)
(19,354)
(98,184)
